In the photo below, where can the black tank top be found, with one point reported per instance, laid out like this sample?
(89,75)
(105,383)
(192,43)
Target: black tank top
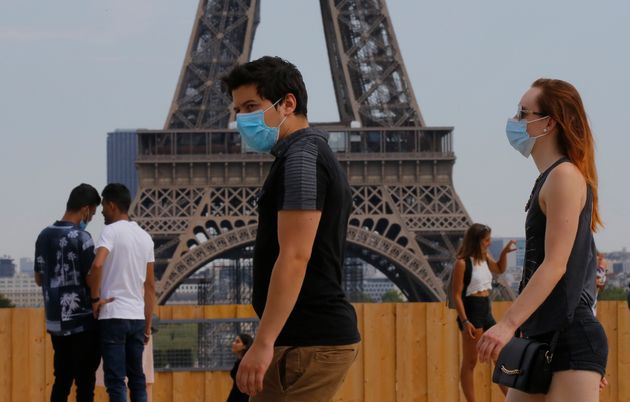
(578,282)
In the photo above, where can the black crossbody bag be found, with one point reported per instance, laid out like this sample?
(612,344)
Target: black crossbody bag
(525,364)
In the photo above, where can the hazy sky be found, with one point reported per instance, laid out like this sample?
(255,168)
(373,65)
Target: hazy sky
(71,71)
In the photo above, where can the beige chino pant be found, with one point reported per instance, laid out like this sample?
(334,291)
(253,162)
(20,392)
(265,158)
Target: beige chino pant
(306,374)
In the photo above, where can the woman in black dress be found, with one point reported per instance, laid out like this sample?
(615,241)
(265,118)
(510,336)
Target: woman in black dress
(240,345)
(558,283)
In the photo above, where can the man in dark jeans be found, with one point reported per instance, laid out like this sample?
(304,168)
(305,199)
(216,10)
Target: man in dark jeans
(63,256)
(308,337)
(123,293)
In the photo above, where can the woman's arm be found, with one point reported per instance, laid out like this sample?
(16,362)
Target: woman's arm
(499,267)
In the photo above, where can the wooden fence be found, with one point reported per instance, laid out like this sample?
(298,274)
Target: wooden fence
(410,353)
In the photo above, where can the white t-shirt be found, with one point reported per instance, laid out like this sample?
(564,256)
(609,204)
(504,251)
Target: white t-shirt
(125,269)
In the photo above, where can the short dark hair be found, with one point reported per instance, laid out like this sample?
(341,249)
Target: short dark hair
(119,195)
(246,339)
(273,77)
(81,196)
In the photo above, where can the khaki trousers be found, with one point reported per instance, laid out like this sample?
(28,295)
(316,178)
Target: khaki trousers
(306,374)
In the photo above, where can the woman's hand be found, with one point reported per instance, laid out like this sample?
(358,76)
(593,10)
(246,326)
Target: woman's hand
(603,383)
(469,329)
(510,247)
(493,340)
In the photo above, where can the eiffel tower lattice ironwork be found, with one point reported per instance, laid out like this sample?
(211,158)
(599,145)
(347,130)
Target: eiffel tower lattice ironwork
(198,184)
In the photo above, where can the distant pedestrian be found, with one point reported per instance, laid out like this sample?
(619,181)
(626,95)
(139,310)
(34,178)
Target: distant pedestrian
(557,289)
(600,278)
(308,336)
(240,345)
(472,283)
(123,296)
(63,256)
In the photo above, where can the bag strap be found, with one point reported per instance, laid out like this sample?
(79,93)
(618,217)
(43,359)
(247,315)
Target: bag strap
(467,275)
(552,346)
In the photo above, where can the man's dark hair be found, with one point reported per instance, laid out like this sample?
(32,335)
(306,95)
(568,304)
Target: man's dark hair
(273,77)
(119,195)
(81,196)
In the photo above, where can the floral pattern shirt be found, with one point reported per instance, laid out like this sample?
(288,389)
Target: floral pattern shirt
(63,256)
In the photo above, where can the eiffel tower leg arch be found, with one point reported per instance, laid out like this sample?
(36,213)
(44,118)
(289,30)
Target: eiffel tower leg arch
(405,269)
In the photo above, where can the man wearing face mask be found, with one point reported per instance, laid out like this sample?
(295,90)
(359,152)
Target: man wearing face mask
(64,252)
(308,338)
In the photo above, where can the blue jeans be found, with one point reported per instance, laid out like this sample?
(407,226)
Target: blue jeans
(122,344)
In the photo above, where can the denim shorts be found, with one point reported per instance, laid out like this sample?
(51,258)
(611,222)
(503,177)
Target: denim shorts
(478,312)
(582,346)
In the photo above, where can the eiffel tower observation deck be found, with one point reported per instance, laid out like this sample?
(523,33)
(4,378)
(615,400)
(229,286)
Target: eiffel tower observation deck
(198,181)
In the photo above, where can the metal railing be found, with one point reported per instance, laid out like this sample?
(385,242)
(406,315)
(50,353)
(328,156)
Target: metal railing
(198,345)
(182,144)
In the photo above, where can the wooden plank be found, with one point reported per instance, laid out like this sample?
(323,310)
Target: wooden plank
(483,382)
(218,385)
(623,351)
(498,310)
(442,353)
(219,311)
(188,312)
(37,337)
(352,388)
(100,395)
(245,311)
(49,356)
(6,351)
(20,361)
(411,352)
(163,385)
(380,357)
(607,315)
(189,386)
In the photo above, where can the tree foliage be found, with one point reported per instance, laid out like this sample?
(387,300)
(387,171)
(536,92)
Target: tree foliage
(392,296)
(4,302)
(613,294)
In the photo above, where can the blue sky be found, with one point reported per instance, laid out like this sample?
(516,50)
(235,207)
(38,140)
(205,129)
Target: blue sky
(71,71)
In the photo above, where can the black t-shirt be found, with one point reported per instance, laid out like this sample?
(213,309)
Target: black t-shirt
(307,176)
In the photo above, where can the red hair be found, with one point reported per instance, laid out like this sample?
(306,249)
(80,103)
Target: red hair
(561,101)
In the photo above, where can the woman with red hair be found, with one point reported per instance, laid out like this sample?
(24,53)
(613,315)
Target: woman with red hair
(558,286)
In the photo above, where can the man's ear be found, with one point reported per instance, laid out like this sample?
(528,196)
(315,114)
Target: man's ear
(289,104)
(111,205)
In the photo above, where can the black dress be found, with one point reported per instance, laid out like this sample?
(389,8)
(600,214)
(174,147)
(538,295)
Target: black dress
(235,394)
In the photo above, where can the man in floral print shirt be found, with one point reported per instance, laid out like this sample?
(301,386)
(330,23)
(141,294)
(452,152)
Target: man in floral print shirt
(64,252)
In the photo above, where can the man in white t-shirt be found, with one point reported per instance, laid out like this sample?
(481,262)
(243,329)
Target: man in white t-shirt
(123,294)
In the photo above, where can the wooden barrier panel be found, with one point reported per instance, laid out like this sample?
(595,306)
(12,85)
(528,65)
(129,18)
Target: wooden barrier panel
(6,354)
(409,353)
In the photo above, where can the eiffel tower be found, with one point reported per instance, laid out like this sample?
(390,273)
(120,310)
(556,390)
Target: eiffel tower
(198,183)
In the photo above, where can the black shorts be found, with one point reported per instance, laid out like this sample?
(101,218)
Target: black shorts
(582,346)
(478,312)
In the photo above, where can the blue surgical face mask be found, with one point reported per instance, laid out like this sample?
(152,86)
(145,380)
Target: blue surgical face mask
(83,224)
(255,132)
(516,131)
